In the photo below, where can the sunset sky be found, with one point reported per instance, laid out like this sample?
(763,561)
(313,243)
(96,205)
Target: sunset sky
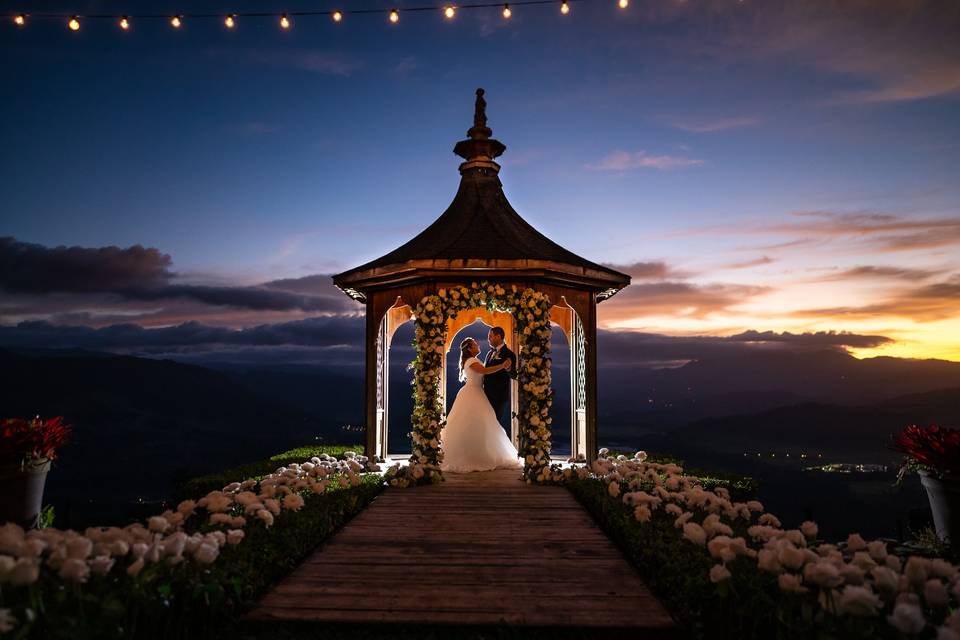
(765,165)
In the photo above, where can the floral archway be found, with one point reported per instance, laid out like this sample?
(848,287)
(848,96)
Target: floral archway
(531,311)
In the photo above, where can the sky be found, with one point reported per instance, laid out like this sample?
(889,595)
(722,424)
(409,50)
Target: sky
(768,171)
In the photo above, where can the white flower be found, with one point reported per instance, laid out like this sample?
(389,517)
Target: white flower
(75,570)
(206,553)
(642,513)
(790,557)
(767,561)
(855,542)
(613,489)
(695,533)
(886,580)
(7,621)
(234,536)
(863,560)
(907,618)
(293,501)
(823,573)
(158,524)
(24,572)
(101,565)
(935,593)
(809,529)
(266,516)
(640,455)
(79,548)
(719,573)
(790,583)
(769,519)
(877,550)
(916,571)
(859,601)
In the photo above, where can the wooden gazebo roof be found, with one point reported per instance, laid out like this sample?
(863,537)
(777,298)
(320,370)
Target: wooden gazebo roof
(480,236)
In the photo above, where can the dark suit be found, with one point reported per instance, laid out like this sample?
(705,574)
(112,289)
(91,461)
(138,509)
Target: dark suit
(497,385)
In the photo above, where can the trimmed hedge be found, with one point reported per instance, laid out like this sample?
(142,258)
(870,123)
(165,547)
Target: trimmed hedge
(190,600)
(202,485)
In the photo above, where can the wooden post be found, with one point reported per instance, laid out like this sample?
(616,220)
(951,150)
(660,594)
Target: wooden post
(590,335)
(370,379)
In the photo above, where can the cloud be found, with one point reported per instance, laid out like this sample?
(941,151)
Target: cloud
(33,268)
(656,270)
(636,348)
(756,262)
(626,161)
(870,272)
(143,274)
(713,125)
(328,331)
(927,303)
(681,299)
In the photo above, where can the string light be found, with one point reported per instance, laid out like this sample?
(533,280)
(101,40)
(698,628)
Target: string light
(285,20)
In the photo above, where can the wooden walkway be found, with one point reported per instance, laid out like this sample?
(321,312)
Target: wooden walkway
(481,548)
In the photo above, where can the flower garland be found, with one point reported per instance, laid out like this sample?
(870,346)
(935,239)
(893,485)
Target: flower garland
(531,310)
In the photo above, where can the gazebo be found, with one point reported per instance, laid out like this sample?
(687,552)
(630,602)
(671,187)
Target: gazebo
(481,238)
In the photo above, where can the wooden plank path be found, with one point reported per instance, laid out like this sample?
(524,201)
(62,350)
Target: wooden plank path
(480,548)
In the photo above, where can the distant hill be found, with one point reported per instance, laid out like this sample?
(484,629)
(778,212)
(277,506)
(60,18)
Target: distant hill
(862,432)
(763,380)
(140,423)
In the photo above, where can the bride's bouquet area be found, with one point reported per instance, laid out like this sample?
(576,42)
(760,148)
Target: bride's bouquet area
(531,310)
(732,570)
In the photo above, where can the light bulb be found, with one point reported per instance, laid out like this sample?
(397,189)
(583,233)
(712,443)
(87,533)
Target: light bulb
(230,21)
(564,8)
(337,16)
(74,24)
(20,20)
(450,12)
(176,22)
(624,4)
(284,22)
(124,23)
(394,16)
(507,12)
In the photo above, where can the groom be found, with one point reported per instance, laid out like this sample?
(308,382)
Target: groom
(497,385)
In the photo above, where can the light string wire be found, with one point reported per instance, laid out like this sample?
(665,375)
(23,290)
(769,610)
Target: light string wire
(20,18)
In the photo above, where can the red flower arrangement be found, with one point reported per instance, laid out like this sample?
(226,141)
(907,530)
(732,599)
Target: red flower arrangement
(932,449)
(31,442)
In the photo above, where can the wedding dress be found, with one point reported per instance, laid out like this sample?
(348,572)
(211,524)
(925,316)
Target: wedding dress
(472,439)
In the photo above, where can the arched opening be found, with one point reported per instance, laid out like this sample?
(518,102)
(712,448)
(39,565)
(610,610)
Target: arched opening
(400,398)
(569,353)
(391,378)
(476,323)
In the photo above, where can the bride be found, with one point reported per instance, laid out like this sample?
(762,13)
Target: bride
(472,438)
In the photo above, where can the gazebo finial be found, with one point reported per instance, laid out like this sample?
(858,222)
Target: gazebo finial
(480,130)
(479,149)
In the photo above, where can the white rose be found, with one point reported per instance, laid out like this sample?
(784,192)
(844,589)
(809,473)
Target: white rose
(7,621)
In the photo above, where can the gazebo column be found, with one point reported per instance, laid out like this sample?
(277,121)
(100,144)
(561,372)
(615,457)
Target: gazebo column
(590,355)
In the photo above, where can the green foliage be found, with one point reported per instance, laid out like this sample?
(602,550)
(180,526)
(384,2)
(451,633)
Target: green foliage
(188,600)
(202,485)
(46,517)
(748,606)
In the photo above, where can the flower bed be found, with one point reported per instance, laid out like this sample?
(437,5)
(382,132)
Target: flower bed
(188,572)
(726,569)
(210,482)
